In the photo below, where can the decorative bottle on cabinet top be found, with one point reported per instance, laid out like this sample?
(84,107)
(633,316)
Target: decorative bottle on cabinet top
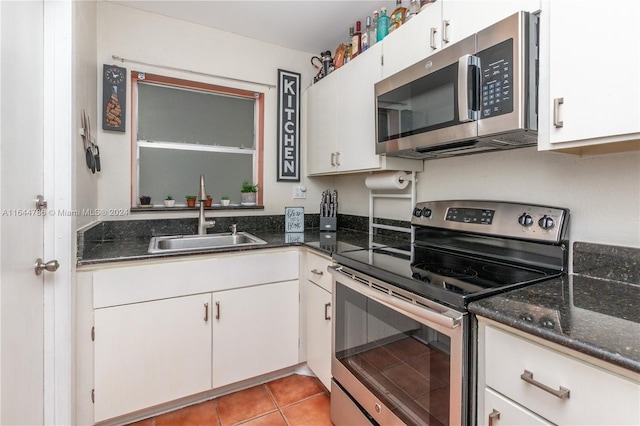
(383,24)
(356,40)
(398,16)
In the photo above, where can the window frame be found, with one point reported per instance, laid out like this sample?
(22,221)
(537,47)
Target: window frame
(137,76)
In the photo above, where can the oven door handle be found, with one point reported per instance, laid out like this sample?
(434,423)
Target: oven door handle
(445,317)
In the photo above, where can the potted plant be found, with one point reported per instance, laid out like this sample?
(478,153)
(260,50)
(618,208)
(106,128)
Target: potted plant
(145,200)
(248,193)
(191,200)
(169,201)
(224,200)
(209,201)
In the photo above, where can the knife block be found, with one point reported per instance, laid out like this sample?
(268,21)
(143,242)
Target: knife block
(328,223)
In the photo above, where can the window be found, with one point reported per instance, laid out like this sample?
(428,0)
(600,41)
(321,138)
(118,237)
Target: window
(184,129)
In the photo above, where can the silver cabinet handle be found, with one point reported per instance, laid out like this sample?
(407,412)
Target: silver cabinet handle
(315,271)
(494,415)
(337,158)
(50,266)
(217,310)
(432,38)
(333,158)
(206,312)
(445,35)
(326,311)
(556,112)
(562,393)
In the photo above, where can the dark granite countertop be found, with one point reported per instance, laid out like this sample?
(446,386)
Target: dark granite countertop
(122,250)
(594,316)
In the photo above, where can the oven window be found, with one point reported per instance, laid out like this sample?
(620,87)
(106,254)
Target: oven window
(400,360)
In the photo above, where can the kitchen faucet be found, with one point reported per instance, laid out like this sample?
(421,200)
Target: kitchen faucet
(203,223)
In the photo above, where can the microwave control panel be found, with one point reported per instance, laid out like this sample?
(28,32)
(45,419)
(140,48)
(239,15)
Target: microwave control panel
(496,63)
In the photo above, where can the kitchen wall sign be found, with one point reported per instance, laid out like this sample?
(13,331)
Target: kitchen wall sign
(293,219)
(288,126)
(114,91)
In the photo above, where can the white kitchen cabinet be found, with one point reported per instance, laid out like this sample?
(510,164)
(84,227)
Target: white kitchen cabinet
(414,40)
(318,317)
(149,353)
(541,382)
(255,331)
(157,338)
(440,25)
(341,121)
(590,90)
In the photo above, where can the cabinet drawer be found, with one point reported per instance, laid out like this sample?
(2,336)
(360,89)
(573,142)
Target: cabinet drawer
(499,411)
(316,270)
(595,396)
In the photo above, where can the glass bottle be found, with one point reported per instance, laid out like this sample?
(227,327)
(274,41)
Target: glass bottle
(356,40)
(413,9)
(347,53)
(398,16)
(383,24)
(366,33)
(373,37)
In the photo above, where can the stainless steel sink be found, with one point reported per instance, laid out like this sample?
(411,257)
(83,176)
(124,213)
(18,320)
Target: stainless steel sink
(186,243)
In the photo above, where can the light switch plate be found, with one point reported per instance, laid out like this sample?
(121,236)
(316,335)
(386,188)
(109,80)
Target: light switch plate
(299,192)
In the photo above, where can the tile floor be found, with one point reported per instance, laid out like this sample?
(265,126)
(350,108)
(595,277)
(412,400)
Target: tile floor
(294,400)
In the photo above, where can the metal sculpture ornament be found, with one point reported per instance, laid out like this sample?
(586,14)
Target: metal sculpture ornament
(288,126)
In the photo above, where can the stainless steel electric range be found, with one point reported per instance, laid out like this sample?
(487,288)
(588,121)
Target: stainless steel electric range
(403,341)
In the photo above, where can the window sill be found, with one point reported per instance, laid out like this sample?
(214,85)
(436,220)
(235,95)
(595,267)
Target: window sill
(184,208)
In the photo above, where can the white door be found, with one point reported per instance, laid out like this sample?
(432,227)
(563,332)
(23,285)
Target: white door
(21,291)
(35,130)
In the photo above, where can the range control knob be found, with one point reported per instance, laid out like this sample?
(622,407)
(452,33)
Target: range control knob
(426,212)
(525,219)
(417,212)
(546,222)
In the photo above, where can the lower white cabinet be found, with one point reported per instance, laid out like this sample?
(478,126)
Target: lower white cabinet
(319,312)
(149,353)
(520,378)
(255,331)
(169,330)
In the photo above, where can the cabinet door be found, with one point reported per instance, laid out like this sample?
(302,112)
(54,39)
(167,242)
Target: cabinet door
(255,331)
(499,411)
(150,353)
(322,126)
(319,313)
(593,67)
(356,149)
(413,40)
(461,18)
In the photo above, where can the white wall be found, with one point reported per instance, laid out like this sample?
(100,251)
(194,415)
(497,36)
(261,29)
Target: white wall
(154,39)
(602,192)
(85,97)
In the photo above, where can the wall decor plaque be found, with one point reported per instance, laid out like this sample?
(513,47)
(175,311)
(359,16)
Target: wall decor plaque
(114,92)
(294,219)
(288,126)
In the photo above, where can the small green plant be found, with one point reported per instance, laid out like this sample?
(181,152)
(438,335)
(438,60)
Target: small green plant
(169,197)
(145,200)
(249,187)
(190,197)
(224,197)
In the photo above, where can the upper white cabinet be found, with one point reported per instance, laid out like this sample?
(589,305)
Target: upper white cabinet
(341,121)
(589,79)
(441,24)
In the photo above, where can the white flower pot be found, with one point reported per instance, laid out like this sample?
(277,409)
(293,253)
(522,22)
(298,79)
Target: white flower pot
(169,203)
(224,202)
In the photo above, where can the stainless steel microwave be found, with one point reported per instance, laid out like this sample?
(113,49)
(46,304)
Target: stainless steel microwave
(479,94)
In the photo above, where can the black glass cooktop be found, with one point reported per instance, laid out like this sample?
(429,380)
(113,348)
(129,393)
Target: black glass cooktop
(451,278)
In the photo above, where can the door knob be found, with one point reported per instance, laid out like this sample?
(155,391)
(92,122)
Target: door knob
(50,266)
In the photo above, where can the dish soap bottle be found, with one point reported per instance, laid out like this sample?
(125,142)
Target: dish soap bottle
(383,24)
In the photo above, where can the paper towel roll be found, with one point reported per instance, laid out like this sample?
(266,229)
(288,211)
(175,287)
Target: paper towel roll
(391,180)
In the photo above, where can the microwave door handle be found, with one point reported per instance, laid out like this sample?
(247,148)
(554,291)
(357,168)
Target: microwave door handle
(468,112)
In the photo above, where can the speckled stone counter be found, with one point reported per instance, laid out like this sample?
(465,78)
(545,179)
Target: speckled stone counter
(597,316)
(121,241)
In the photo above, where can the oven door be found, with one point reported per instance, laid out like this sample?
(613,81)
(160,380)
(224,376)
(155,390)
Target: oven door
(401,358)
